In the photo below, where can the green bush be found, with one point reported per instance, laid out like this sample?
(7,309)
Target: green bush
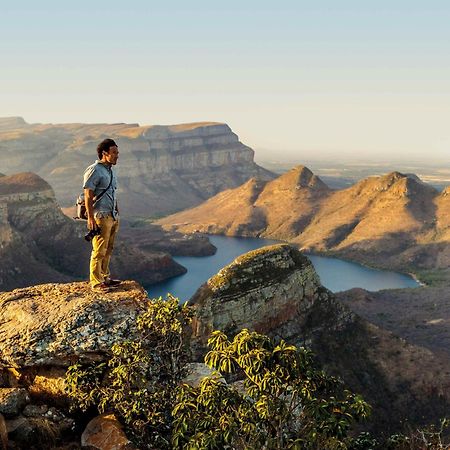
(280,399)
(140,380)
(285,402)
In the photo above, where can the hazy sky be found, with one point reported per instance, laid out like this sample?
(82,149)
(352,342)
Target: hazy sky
(302,77)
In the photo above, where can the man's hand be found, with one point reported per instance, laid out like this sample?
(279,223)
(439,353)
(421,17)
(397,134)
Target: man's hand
(91,224)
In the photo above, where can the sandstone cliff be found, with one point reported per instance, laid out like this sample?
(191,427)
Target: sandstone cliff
(162,169)
(275,290)
(38,243)
(393,221)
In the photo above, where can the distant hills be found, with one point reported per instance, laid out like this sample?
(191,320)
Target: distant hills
(162,169)
(393,220)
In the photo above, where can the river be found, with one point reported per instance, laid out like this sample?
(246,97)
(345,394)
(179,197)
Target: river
(335,274)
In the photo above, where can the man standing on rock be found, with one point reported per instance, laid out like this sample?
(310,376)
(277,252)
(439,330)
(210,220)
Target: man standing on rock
(102,215)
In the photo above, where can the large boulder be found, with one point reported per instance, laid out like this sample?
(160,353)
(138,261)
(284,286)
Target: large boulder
(105,432)
(57,324)
(276,291)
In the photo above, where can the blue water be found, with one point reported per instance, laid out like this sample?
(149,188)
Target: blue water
(335,274)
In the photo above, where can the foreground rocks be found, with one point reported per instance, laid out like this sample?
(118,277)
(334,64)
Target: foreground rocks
(56,324)
(13,401)
(43,330)
(105,433)
(274,290)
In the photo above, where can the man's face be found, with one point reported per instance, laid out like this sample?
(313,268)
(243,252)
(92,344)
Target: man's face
(112,155)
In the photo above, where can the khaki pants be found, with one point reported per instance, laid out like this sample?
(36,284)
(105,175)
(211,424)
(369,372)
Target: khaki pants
(102,247)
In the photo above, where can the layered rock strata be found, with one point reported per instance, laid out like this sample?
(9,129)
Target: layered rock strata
(275,290)
(161,169)
(38,243)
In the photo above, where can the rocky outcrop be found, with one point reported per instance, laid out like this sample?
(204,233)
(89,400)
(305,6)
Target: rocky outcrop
(271,290)
(275,290)
(393,221)
(43,330)
(56,324)
(161,169)
(38,243)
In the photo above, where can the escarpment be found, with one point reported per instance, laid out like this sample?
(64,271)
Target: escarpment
(162,169)
(275,290)
(38,243)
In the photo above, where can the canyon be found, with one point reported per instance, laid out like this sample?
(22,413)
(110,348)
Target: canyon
(162,169)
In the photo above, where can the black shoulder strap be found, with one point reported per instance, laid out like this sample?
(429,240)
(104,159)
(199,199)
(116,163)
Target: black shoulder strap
(104,192)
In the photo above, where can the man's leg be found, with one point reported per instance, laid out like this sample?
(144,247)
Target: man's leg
(99,249)
(112,237)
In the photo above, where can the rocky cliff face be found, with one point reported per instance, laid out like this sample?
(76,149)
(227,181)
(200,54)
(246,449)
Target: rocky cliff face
(275,290)
(161,168)
(38,243)
(52,325)
(393,221)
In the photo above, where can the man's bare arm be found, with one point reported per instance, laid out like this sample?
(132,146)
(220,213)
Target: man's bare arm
(89,203)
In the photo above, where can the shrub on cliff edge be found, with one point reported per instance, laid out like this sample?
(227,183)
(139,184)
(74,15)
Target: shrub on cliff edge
(285,401)
(140,380)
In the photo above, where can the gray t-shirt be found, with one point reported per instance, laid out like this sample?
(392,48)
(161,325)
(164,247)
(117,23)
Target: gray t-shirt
(97,178)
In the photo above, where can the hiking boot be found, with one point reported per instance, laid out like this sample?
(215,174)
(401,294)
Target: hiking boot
(111,282)
(102,287)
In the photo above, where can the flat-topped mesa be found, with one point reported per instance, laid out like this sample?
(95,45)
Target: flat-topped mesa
(190,136)
(162,168)
(12,123)
(269,290)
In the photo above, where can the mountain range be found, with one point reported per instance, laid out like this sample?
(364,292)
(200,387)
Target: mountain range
(393,221)
(162,169)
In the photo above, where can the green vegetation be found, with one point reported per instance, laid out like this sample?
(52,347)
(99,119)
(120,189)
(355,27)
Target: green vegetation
(433,277)
(262,395)
(140,380)
(285,402)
